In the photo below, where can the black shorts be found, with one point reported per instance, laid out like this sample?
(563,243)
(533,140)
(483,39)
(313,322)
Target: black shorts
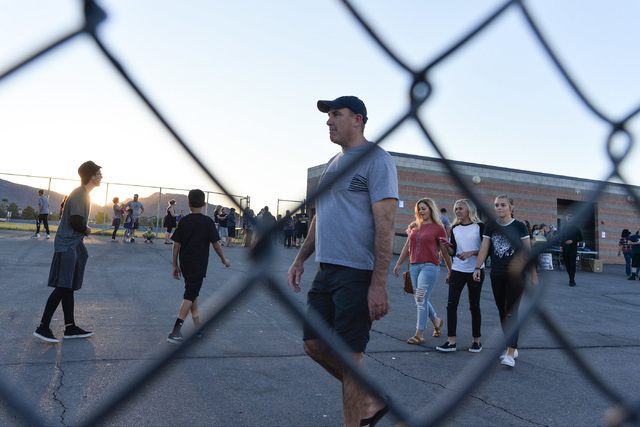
(136,224)
(340,296)
(67,268)
(635,260)
(192,288)
(301,232)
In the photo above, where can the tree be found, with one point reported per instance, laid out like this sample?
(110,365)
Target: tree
(13,208)
(100,216)
(3,208)
(29,212)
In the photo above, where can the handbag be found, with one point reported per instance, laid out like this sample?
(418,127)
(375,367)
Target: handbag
(408,286)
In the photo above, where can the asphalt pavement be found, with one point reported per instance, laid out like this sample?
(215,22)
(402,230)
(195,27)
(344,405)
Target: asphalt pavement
(250,369)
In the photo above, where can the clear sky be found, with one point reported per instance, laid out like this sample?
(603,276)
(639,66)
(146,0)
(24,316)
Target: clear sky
(239,82)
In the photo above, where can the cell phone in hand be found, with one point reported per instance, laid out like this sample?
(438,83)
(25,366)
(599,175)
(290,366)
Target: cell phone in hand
(443,240)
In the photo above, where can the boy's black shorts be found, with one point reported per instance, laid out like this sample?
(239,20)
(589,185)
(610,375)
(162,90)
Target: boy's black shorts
(340,296)
(192,288)
(635,260)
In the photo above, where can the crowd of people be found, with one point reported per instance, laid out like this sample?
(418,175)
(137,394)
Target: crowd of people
(349,290)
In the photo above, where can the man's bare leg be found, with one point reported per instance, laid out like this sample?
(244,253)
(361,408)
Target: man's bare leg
(357,402)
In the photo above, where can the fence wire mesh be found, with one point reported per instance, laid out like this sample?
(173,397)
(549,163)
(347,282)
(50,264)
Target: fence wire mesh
(623,410)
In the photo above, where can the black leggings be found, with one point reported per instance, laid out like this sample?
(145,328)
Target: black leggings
(507,292)
(569,255)
(457,280)
(64,295)
(116,225)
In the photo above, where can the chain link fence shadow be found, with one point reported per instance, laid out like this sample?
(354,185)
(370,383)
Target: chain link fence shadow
(623,411)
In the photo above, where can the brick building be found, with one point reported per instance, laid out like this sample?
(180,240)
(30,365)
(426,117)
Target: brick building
(539,197)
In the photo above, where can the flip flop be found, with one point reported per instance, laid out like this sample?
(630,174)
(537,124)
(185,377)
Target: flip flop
(372,421)
(438,329)
(415,340)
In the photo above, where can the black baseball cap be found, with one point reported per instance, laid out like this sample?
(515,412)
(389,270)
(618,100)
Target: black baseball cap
(351,102)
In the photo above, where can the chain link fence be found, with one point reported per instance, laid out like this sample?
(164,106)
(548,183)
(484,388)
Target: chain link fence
(623,411)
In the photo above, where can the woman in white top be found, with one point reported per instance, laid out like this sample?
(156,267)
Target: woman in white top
(466,240)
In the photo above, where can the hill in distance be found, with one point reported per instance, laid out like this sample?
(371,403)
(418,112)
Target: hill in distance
(24,195)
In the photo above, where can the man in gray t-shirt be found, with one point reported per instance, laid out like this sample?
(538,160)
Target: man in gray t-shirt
(138,209)
(352,236)
(43,215)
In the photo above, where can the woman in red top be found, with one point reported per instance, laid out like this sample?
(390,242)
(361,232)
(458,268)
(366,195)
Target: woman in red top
(426,237)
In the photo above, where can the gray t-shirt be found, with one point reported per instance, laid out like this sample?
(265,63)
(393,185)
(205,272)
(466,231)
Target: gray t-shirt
(43,204)
(344,218)
(136,206)
(117,211)
(78,203)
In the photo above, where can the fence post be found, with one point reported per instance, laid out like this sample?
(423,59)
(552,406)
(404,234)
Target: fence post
(158,214)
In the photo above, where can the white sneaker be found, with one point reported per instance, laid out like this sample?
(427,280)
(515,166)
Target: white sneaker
(508,361)
(515,354)
(48,236)
(35,236)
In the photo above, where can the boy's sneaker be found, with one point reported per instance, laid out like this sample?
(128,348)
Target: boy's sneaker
(35,236)
(48,236)
(446,347)
(73,331)
(133,240)
(175,338)
(476,347)
(45,334)
(632,277)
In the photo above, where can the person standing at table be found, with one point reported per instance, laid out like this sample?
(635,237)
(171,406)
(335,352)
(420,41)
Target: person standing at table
(570,235)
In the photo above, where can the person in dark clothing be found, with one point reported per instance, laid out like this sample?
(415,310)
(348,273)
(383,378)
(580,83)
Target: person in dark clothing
(634,242)
(569,238)
(191,242)
(70,256)
(267,222)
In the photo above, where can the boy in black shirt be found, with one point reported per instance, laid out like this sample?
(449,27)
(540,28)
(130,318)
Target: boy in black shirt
(191,242)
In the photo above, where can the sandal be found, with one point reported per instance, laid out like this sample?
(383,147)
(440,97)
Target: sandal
(415,340)
(437,329)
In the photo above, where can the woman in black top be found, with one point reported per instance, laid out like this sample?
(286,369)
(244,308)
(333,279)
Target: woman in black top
(507,240)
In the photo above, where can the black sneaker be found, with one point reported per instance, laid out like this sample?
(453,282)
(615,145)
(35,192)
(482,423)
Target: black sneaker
(476,347)
(73,331)
(175,338)
(45,334)
(632,277)
(446,347)
(200,332)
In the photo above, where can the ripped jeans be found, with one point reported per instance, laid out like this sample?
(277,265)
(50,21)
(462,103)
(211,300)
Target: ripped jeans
(424,277)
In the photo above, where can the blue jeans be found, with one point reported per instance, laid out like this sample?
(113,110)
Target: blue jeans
(627,260)
(224,235)
(424,278)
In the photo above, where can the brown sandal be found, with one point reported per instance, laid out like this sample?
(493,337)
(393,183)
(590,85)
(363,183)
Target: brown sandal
(437,329)
(415,340)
